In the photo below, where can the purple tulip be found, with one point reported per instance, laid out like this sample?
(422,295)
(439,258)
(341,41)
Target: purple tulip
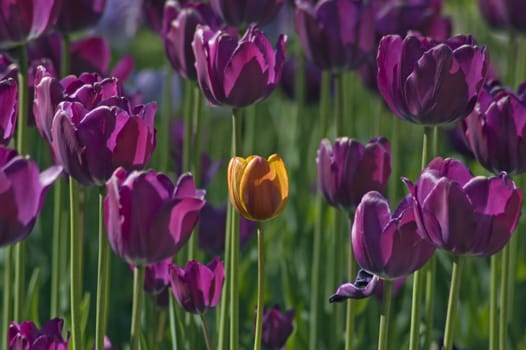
(156,276)
(22,191)
(211,235)
(26,336)
(388,245)
(276,328)
(336,34)
(198,287)
(152,11)
(239,12)
(508,14)
(179,25)
(429,82)
(80,14)
(349,169)
(312,80)
(462,214)
(237,73)
(25,20)
(146,234)
(92,129)
(9,111)
(364,286)
(495,129)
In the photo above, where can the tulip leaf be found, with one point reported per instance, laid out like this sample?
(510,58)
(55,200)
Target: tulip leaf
(32,296)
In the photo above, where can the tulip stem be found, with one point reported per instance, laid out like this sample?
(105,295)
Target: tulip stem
(349,324)
(205,332)
(103,270)
(166,114)
(338,110)
(430,271)
(261,288)
(187,139)
(8,278)
(384,316)
(315,281)
(138,287)
(454,289)
(224,301)
(493,305)
(56,258)
(75,270)
(503,316)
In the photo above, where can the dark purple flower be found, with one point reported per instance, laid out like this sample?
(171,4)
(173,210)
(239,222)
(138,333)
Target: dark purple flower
(312,80)
(156,276)
(363,287)
(152,11)
(428,82)
(79,14)
(25,20)
(276,328)
(22,191)
(239,12)
(388,245)
(198,287)
(179,25)
(26,336)
(456,140)
(9,112)
(92,129)
(496,131)
(146,234)
(508,14)
(349,169)
(336,34)
(462,214)
(237,73)
(212,224)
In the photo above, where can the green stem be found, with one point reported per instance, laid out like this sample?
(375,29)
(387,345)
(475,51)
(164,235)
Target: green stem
(316,271)
(418,278)
(338,250)
(8,278)
(138,288)
(503,316)
(454,290)
(395,146)
(384,317)
(75,271)
(196,116)
(223,313)
(173,323)
(325,107)
(338,110)
(261,288)
(57,258)
(493,305)
(430,273)
(166,117)
(103,269)
(349,328)
(205,332)
(187,139)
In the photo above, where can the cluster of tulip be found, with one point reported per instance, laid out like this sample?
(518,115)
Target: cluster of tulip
(97,135)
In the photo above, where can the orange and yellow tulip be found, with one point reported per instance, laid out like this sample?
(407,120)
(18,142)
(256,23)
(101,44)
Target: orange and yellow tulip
(258,187)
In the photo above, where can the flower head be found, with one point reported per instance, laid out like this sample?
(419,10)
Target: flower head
(276,328)
(508,14)
(26,335)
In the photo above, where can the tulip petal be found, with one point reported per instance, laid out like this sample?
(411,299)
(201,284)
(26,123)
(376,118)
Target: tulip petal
(362,287)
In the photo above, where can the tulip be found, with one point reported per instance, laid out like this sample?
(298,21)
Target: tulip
(22,191)
(349,169)
(495,129)
(336,34)
(26,335)
(9,112)
(239,12)
(152,11)
(462,214)
(79,15)
(25,20)
(156,276)
(146,234)
(179,25)
(197,288)
(237,73)
(384,244)
(258,188)
(508,14)
(428,82)
(92,129)
(364,286)
(277,327)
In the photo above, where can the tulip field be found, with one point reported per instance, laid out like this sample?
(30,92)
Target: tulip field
(266,174)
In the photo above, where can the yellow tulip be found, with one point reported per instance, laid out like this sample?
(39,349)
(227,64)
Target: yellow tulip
(258,187)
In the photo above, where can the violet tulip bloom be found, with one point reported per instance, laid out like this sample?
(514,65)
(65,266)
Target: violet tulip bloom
(276,328)
(79,14)
(336,34)
(462,214)
(22,191)
(239,12)
(363,286)
(156,276)
(237,73)
(197,288)
(495,129)
(507,14)
(428,82)
(348,170)
(26,335)
(179,25)
(388,245)
(92,129)
(146,234)
(9,111)
(25,20)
